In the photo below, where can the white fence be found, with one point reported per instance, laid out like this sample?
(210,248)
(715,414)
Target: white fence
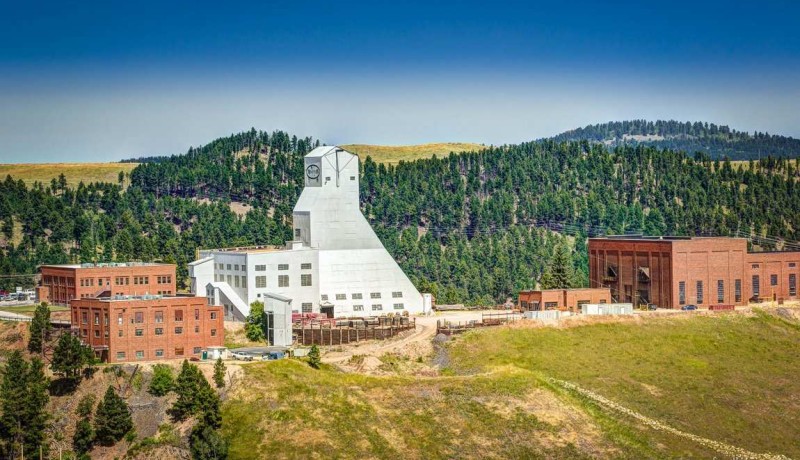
(546,314)
(607,309)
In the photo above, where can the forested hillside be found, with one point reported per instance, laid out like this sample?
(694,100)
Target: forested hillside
(716,141)
(471,227)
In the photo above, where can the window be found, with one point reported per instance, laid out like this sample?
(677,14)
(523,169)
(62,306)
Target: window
(261,268)
(105,319)
(140,354)
(306,307)
(197,329)
(236,267)
(756,286)
(159,317)
(179,351)
(120,355)
(737,290)
(397,295)
(357,296)
(754,266)
(682,292)
(213,332)
(119,334)
(196,314)
(261,281)
(306,266)
(229,279)
(244,282)
(305,280)
(699,292)
(352,177)
(283,280)
(228,266)
(139,332)
(139,317)
(341,296)
(179,330)
(720,291)
(397,306)
(283,266)
(374,295)
(196,350)
(159,352)
(377,307)
(97,333)
(297,233)
(213,315)
(358,308)
(236,281)
(792,264)
(792,284)
(550,305)
(324,297)
(85,332)
(773,280)
(159,331)
(84,317)
(97,319)
(178,315)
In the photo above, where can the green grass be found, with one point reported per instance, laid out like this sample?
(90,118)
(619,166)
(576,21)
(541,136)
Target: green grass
(285,409)
(74,172)
(29,309)
(392,154)
(730,378)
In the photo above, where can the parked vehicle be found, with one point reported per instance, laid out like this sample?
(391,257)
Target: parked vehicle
(689,307)
(242,356)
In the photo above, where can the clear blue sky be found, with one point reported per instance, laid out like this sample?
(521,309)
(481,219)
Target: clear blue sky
(99,81)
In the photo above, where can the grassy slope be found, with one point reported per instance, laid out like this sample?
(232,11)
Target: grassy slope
(288,410)
(75,172)
(30,309)
(396,153)
(731,378)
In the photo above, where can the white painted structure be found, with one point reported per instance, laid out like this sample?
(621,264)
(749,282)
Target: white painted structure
(336,263)
(607,309)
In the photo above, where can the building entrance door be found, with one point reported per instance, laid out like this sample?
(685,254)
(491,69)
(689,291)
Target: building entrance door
(327,311)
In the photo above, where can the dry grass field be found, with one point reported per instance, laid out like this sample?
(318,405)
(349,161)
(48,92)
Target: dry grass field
(392,154)
(74,172)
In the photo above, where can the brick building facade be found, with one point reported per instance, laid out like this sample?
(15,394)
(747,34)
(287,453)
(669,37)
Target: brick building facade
(59,284)
(148,327)
(569,299)
(675,271)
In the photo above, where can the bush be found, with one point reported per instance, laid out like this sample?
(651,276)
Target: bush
(163,381)
(219,373)
(314,359)
(206,443)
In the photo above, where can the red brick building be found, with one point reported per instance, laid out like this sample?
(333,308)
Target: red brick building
(148,327)
(555,299)
(60,284)
(675,271)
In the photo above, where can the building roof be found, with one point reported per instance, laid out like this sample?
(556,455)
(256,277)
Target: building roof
(324,150)
(108,265)
(131,298)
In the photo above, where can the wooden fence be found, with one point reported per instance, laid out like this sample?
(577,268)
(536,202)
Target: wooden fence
(343,331)
(487,319)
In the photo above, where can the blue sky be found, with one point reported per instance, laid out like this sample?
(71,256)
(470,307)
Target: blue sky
(100,81)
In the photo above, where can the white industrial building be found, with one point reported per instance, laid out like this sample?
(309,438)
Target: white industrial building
(336,264)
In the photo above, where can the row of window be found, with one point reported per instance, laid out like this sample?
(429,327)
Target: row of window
(139,317)
(737,289)
(140,332)
(261,268)
(283,281)
(232,280)
(158,353)
(359,296)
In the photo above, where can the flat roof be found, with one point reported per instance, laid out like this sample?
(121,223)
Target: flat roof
(129,298)
(108,265)
(247,249)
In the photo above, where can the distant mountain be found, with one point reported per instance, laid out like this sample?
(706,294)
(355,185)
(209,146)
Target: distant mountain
(715,141)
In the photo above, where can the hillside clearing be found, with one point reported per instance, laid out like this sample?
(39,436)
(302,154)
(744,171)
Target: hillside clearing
(392,154)
(74,172)
(729,378)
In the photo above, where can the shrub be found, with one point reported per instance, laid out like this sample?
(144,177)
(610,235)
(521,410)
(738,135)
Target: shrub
(163,381)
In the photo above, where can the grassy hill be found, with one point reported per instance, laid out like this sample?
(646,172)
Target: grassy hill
(728,378)
(74,172)
(395,153)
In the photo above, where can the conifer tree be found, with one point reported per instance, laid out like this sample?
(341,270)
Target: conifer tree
(84,437)
(40,328)
(188,386)
(205,443)
(219,373)
(23,398)
(163,381)
(70,357)
(113,418)
(314,359)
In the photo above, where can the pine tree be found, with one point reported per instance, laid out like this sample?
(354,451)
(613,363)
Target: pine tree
(314,359)
(40,328)
(23,399)
(219,373)
(69,357)
(206,443)
(113,418)
(187,386)
(559,274)
(83,439)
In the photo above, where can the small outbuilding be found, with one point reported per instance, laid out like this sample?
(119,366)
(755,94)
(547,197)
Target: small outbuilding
(562,299)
